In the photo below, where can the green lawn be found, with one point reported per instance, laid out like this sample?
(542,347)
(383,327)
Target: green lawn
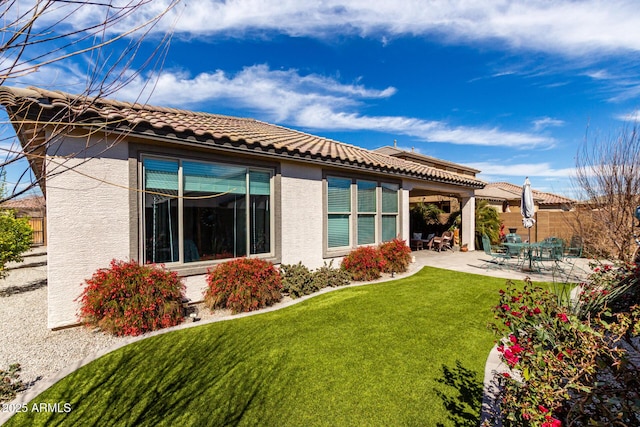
(385,354)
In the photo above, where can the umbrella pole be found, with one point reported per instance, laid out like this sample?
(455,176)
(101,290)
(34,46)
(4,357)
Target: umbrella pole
(530,250)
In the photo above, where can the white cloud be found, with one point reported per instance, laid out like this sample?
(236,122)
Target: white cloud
(631,116)
(599,74)
(546,122)
(501,169)
(278,94)
(569,27)
(312,102)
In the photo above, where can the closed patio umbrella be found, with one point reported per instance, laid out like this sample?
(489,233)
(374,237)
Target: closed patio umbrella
(527,210)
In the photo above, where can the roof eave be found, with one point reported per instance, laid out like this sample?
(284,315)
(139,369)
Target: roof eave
(270,151)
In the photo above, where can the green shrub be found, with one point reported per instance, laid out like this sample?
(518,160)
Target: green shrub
(364,263)
(397,256)
(15,238)
(10,383)
(130,299)
(243,284)
(297,280)
(327,276)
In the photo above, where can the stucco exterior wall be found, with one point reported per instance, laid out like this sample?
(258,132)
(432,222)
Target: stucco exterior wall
(88,220)
(405,212)
(302,214)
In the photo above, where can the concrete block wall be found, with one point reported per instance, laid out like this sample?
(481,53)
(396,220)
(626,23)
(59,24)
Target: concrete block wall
(548,224)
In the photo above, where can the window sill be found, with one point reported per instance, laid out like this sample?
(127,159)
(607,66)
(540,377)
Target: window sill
(202,267)
(335,253)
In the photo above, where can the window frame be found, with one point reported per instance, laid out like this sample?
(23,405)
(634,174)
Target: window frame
(365,213)
(248,168)
(387,214)
(329,251)
(348,213)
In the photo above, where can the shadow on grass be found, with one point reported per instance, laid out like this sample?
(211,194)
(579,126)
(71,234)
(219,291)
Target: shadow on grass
(119,391)
(462,396)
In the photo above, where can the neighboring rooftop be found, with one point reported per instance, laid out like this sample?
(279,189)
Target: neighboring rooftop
(33,108)
(26,204)
(428,160)
(501,191)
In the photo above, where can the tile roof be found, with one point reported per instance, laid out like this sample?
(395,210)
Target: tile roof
(502,190)
(32,203)
(495,193)
(428,160)
(210,130)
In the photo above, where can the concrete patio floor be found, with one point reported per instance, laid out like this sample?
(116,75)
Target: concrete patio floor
(477,262)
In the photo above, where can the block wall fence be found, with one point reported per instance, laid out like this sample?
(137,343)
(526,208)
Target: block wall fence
(548,224)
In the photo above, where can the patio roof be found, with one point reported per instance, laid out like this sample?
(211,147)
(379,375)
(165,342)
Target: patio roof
(32,109)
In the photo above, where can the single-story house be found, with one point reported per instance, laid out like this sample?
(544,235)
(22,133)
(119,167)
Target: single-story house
(189,190)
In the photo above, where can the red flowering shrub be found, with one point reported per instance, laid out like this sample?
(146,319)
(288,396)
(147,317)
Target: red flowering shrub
(244,284)
(397,256)
(364,263)
(130,299)
(568,366)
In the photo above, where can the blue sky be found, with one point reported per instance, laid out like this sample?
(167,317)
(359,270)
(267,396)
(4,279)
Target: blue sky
(509,88)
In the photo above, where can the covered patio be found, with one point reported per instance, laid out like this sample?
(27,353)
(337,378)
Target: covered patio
(450,199)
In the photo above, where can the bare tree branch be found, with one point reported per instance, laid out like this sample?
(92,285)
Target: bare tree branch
(608,177)
(36,35)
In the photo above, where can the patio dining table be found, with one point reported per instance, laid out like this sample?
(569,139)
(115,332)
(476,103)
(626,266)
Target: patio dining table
(522,250)
(535,253)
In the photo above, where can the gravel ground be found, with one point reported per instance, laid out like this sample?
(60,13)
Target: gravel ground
(23,327)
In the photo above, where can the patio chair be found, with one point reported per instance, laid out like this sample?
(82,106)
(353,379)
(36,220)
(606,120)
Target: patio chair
(498,259)
(551,250)
(416,242)
(442,242)
(574,250)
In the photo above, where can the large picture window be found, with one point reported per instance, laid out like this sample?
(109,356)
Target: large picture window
(196,211)
(373,216)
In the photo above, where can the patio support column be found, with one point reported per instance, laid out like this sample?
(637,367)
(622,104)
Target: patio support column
(468,226)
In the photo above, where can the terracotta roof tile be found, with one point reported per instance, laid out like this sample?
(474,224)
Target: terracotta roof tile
(35,203)
(543,198)
(253,133)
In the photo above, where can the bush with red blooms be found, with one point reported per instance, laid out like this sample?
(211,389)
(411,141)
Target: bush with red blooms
(243,284)
(364,263)
(397,256)
(569,360)
(130,299)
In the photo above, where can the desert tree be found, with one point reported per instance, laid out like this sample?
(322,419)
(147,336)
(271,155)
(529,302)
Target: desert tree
(90,48)
(607,180)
